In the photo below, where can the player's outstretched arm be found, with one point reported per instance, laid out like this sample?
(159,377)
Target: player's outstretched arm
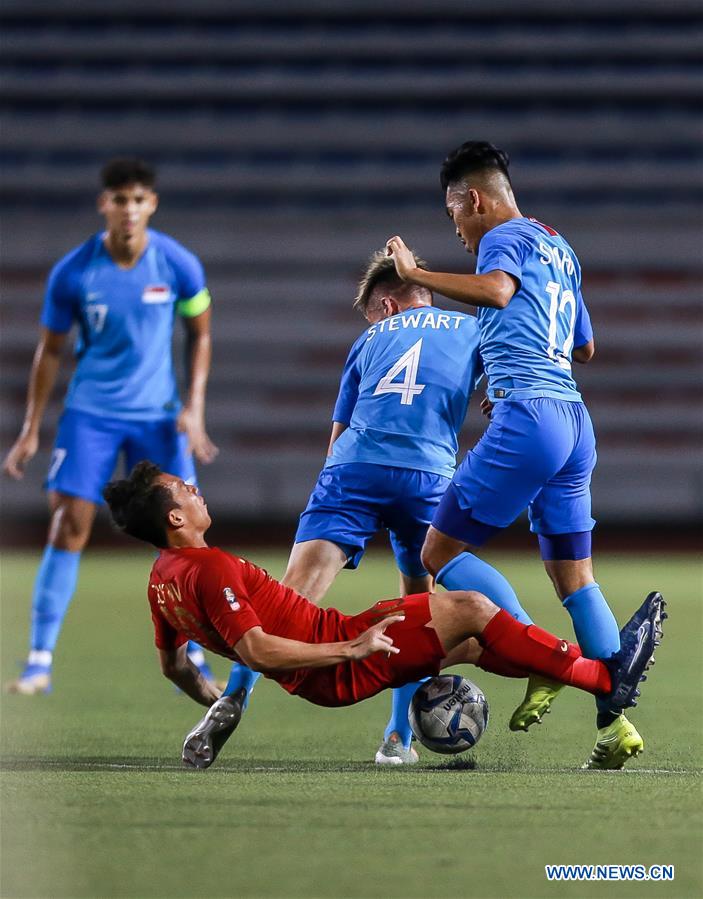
(45,367)
(265,652)
(177,667)
(492,289)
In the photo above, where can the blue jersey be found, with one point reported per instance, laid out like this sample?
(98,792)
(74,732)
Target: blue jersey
(405,389)
(526,347)
(125,317)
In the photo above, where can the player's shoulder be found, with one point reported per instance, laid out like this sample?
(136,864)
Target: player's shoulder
(176,253)
(77,259)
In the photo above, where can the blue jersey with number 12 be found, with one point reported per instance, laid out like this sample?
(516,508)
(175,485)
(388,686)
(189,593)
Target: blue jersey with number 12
(526,347)
(405,389)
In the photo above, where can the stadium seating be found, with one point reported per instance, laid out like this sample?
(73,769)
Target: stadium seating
(292,139)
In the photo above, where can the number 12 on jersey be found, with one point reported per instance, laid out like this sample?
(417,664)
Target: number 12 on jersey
(408,388)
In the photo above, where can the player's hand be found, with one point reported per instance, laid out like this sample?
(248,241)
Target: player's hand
(24,449)
(402,257)
(486,407)
(192,425)
(375,639)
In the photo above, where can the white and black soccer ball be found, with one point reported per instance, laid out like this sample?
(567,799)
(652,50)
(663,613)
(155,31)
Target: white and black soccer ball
(448,714)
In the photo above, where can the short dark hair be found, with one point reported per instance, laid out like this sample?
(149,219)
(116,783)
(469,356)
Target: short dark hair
(473,156)
(381,270)
(126,170)
(139,506)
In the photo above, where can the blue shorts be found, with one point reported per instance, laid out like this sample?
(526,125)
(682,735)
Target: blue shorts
(537,455)
(354,500)
(87,448)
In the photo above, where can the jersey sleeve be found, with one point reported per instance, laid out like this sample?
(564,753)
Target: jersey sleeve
(501,250)
(225,599)
(193,295)
(349,385)
(583,332)
(60,299)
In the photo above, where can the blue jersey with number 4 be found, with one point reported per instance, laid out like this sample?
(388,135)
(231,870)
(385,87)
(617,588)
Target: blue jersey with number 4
(526,347)
(124,363)
(405,389)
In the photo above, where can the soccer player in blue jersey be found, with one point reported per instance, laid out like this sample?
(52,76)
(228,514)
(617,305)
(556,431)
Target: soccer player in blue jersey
(122,288)
(539,449)
(402,400)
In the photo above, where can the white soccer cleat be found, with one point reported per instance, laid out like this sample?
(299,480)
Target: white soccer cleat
(392,752)
(34,679)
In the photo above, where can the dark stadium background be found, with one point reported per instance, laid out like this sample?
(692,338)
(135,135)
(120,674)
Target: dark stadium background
(293,138)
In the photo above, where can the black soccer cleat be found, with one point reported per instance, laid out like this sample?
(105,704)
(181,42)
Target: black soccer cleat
(203,744)
(638,640)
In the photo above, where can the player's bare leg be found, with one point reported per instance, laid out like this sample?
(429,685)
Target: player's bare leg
(312,567)
(70,526)
(396,747)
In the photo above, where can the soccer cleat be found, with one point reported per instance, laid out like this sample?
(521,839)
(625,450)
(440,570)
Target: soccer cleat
(615,744)
(392,752)
(33,680)
(539,696)
(638,640)
(203,744)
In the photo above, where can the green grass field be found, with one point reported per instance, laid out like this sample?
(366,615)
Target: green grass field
(95,803)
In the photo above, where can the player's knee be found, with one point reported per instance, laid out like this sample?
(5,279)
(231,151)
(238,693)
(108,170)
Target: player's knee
(465,602)
(431,555)
(70,528)
(471,608)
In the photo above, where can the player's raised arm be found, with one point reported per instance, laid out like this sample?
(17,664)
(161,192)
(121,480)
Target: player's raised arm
(265,652)
(45,367)
(494,289)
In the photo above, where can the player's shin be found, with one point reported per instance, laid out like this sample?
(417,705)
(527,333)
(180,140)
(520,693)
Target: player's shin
(467,572)
(398,722)
(241,677)
(597,634)
(53,590)
(536,650)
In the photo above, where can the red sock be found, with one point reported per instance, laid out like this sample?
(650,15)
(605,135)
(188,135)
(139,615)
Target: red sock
(496,664)
(531,648)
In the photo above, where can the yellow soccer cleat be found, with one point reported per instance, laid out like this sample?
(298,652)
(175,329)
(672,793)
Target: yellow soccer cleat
(614,746)
(539,696)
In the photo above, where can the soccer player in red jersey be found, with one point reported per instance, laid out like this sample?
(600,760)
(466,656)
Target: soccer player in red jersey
(238,611)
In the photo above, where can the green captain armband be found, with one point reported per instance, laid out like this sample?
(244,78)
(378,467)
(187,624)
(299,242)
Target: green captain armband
(195,305)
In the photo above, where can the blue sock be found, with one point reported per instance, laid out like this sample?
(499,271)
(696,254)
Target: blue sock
(54,587)
(597,634)
(468,572)
(400,703)
(241,676)
(595,626)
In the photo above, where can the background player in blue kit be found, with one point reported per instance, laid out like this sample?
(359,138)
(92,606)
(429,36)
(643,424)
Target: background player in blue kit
(539,449)
(123,288)
(402,400)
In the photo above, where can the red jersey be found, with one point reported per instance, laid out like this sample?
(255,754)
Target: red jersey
(207,595)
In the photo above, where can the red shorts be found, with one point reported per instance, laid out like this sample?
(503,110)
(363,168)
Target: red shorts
(420,655)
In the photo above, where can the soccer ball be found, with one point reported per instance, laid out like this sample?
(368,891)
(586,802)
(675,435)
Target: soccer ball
(448,714)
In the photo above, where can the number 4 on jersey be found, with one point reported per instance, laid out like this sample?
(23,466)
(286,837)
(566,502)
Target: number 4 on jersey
(408,388)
